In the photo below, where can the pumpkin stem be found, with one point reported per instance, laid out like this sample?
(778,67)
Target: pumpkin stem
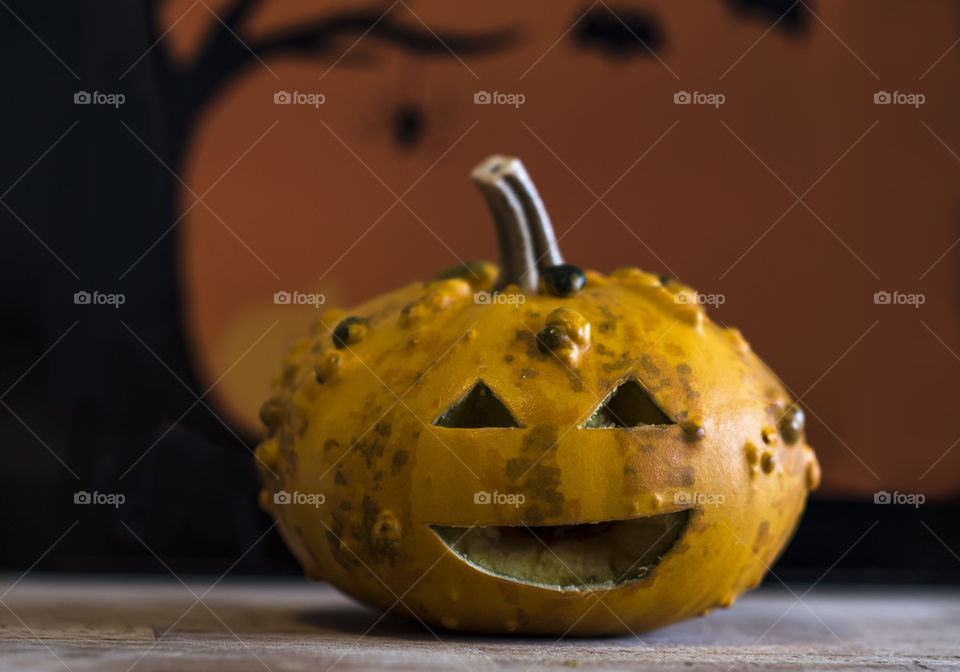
(524,233)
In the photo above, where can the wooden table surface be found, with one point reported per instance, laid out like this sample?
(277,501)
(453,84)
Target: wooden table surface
(78,624)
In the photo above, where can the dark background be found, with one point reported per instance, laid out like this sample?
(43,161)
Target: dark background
(83,395)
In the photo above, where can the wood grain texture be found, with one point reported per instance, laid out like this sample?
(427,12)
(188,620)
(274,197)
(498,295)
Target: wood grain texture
(80,624)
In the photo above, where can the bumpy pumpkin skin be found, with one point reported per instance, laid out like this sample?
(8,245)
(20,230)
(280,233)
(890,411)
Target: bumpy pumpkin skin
(387,473)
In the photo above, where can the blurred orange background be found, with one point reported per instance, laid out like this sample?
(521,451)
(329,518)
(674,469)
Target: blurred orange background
(797,199)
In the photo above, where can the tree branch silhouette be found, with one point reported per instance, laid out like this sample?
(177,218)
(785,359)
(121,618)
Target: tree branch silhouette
(226,53)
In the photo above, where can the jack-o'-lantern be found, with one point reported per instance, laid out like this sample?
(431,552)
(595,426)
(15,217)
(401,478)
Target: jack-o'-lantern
(533,449)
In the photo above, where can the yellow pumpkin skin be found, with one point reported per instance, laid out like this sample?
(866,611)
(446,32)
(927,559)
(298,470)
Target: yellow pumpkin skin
(355,423)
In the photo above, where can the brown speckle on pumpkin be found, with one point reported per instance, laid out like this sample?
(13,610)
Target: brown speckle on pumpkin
(763,534)
(646,363)
(604,350)
(399,459)
(683,476)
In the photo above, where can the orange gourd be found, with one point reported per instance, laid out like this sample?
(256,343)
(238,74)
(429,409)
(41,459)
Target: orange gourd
(533,449)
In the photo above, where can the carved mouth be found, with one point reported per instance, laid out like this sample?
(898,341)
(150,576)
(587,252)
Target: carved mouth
(584,557)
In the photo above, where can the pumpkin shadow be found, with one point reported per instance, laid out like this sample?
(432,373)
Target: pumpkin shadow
(738,628)
(355,619)
(366,623)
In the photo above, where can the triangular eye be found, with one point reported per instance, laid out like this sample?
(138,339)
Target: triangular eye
(477,408)
(628,406)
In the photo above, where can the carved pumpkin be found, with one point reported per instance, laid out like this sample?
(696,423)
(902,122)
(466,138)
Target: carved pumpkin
(534,450)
